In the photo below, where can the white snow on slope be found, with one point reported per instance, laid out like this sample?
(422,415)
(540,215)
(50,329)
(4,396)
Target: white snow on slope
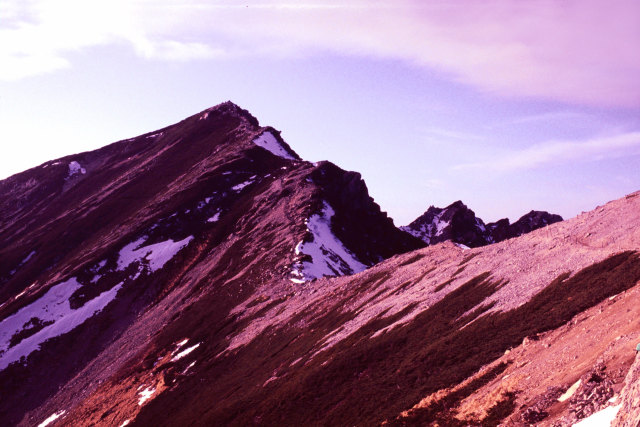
(156,255)
(269,142)
(185,352)
(145,395)
(426,232)
(601,418)
(75,169)
(51,418)
(51,307)
(28,257)
(440,224)
(328,255)
(23,262)
(215,217)
(240,186)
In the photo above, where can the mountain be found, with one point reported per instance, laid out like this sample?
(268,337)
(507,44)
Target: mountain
(101,249)
(204,274)
(459,224)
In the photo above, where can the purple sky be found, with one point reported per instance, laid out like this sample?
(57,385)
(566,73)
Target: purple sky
(507,105)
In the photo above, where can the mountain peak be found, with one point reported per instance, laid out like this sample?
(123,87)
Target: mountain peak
(459,224)
(229,108)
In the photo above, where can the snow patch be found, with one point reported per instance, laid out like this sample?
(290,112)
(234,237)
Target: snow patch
(156,255)
(215,217)
(191,365)
(427,231)
(184,352)
(145,395)
(269,142)
(567,394)
(51,419)
(328,255)
(439,224)
(23,262)
(53,307)
(75,168)
(240,186)
(125,423)
(601,418)
(28,257)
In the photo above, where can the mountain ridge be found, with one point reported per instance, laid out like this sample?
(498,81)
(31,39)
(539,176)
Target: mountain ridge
(194,276)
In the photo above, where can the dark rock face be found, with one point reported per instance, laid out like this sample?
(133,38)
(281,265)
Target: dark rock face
(532,221)
(359,223)
(459,224)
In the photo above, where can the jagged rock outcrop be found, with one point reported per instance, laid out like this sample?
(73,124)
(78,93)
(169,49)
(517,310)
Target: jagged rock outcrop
(459,224)
(456,222)
(502,229)
(629,412)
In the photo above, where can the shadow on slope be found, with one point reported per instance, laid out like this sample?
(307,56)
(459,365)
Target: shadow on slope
(365,380)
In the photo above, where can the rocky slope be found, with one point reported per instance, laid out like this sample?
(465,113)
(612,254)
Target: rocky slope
(205,275)
(459,224)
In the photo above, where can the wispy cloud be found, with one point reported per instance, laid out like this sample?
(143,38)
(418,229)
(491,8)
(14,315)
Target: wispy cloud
(546,117)
(578,51)
(171,50)
(559,152)
(435,133)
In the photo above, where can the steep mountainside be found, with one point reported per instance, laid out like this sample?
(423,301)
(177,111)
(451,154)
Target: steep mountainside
(101,250)
(205,275)
(459,224)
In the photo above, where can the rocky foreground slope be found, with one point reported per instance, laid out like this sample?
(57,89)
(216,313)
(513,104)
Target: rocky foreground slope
(178,278)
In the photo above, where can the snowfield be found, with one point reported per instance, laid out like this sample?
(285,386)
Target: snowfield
(51,418)
(239,187)
(156,255)
(185,352)
(601,418)
(269,142)
(328,255)
(53,307)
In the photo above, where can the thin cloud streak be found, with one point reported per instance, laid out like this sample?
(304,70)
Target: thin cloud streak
(434,133)
(551,116)
(560,152)
(576,51)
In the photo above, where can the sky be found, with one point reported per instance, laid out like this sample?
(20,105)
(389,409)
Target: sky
(506,105)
